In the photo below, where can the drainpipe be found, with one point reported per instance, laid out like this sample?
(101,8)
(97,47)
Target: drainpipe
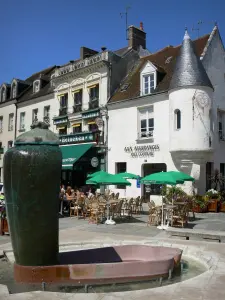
(107,116)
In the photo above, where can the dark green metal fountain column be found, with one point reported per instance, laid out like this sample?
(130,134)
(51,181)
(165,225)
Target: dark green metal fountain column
(32,171)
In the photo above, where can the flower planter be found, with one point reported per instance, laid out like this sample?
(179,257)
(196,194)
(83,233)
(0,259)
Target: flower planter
(3,226)
(198,209)
(213,205)
(222,206)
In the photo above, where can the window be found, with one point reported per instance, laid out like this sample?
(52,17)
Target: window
(77,128)
(148,83)
(3,94)
(10,144)
(35,115)
(146,123)
(120,167)
(22,121)
(77,96)
(10,125)
(62,130)
(222,173)
(221,125)
(47,114)
(1,124)
(13,90)
(152,189)
(36,86)
(63,104)
(92,126)
(177,119)
(94,96)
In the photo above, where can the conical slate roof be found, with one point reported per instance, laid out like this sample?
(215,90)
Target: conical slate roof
(188,70)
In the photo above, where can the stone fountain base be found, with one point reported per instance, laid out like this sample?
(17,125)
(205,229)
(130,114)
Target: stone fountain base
(114,264)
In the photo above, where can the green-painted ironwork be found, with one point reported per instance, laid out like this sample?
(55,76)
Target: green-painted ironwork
(32,171)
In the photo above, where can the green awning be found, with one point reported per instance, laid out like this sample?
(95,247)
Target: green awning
(72,153)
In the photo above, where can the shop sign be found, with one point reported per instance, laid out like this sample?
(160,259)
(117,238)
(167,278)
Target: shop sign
(91,114)
(142,151)
(60,121)
(75,138)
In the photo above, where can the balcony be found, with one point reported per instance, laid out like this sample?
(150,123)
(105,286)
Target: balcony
(63,111)
(77,108)
(94,104)
(104,56)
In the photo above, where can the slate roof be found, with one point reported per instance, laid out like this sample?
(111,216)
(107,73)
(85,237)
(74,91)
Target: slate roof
(165,60)
(188,70)
(28,94)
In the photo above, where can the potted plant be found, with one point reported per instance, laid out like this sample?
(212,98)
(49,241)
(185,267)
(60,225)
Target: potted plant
(199,204)
(213,197)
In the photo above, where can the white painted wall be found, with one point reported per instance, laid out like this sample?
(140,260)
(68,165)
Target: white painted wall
(194,105)
(6,135)
(38,103)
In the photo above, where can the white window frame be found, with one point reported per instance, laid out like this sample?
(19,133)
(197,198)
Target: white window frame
(22,120)
(145,114)
(3,94)
(36,86)
(1,124)
(34,114)
(14,90)
(148,76)
(11,119)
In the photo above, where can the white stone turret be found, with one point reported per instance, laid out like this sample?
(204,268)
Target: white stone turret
(190,98)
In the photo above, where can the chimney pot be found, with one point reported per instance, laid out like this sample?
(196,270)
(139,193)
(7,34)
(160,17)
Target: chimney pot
(141,26)
(103,48)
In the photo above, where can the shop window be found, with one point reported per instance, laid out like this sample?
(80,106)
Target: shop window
(153,189)
(62,130)
(92,127)
(77,128)
(209,169)
(120,167)
(177,115)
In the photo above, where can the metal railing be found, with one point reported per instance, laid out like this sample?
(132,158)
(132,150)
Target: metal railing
(94,103)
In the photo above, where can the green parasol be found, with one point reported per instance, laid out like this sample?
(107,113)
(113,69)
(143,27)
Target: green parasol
(127,175)
(181,176)
(161,178)
(107,179)
(97,173)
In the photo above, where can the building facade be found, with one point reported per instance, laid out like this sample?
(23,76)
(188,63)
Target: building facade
(171,116)
(73,99)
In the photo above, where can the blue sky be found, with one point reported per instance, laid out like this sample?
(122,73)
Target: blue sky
(39,34)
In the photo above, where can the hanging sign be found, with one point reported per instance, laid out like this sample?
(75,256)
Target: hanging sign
(94,162)
(142,151)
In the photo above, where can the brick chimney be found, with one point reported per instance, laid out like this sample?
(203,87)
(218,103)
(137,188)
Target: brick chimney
(137,37)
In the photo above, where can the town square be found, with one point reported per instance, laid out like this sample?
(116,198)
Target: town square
(112,153)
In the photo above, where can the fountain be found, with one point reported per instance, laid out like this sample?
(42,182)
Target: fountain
(32,171)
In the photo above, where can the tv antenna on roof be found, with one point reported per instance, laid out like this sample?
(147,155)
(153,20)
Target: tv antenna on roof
(201,23)
(126,19)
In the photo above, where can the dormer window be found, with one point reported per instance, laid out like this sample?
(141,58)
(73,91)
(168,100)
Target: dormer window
(149,83)
(14,90)
(148,78)
(36,86)
(3,94)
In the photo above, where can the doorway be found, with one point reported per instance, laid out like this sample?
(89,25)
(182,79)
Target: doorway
(152,189)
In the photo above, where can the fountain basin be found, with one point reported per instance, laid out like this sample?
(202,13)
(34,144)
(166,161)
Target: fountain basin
(125,263)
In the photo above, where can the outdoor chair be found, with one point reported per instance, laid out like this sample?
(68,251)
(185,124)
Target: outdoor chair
(154,217)
(180,215)
(117,209)
(127,209)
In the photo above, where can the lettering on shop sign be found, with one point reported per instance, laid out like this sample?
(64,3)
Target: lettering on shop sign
(68,139)
(142,151)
